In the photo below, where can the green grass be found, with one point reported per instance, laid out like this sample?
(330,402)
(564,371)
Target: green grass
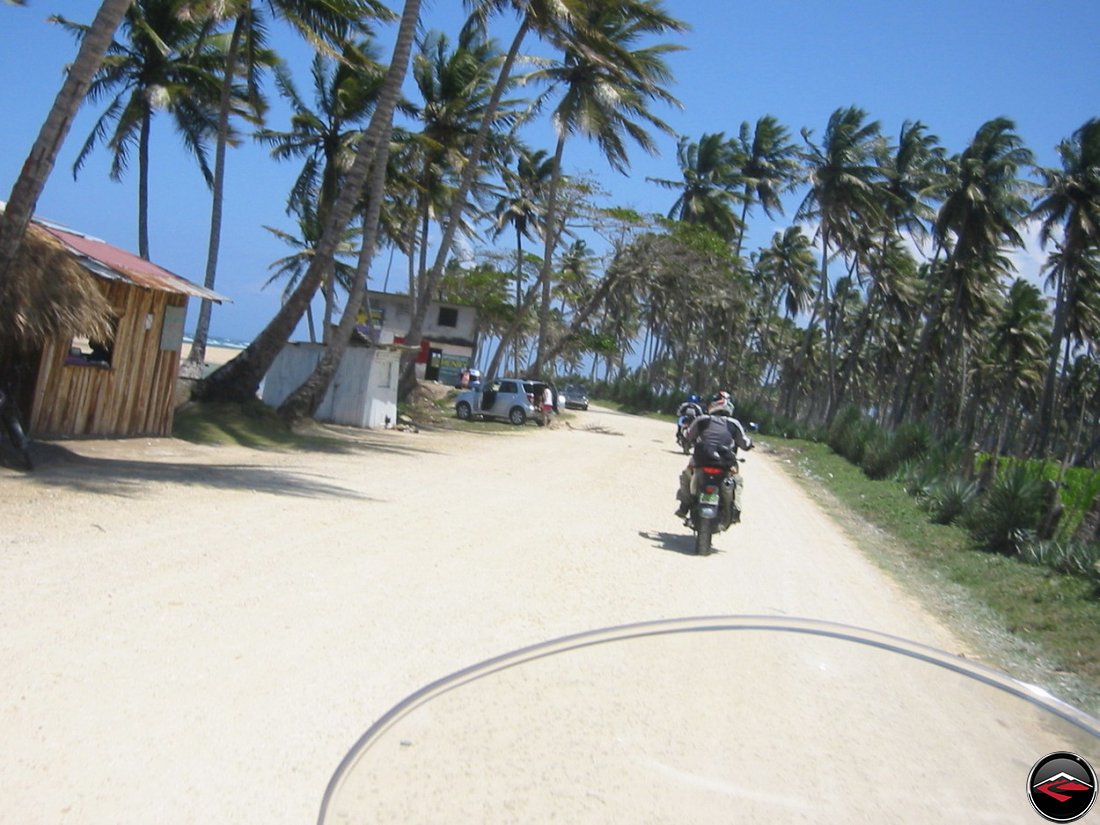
(1054,613)
(252,425)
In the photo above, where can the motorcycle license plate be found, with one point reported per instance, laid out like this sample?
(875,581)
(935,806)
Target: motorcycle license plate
(709,498)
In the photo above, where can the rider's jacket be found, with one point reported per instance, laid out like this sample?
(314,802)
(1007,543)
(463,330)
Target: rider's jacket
(690,409)
(717,438)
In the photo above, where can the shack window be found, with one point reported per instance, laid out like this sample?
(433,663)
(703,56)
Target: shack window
(448,317)
(90,352)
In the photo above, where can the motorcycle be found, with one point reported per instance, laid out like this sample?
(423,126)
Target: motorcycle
(713,510)
(682,424)
(14,443)
(741,719)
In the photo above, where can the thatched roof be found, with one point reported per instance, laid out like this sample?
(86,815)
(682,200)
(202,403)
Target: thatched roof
(48,293)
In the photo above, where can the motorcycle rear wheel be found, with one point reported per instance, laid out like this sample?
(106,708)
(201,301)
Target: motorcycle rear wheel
(703,533)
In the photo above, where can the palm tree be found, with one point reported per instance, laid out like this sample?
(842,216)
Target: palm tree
(239,379)
(915,175)
(325,24)
(294,267)
(706,186)
(544,17)
(767,165)
(521,208)
(1069,201)
(844,199)
(373,155)
(160,63)
(455,86)
(345,92)
(606,85)
(1016,350)
(39,163)
(977,220)
(786,268)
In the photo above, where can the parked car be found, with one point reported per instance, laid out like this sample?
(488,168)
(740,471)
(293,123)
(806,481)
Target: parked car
(507,399)
(575,397)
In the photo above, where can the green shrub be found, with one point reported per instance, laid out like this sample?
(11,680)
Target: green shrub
(1007,516)
(879,456)
(950,498)
(1064,556)
(850,433)
(919,478)
(911,442)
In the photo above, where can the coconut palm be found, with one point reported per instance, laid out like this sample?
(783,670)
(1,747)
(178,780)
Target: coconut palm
(786,268)
(543,17)
(293,268)
(325,24)
(39,163)
(1068,203)
(520,207)
(1015,347)
(708,175)
(768,165)
(915,175)
(345,92)
(161,62)
(240,378)
(982,207)
(843,199)
(455,86)
(607,83)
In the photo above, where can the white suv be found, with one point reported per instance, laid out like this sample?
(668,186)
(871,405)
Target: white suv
(509,399)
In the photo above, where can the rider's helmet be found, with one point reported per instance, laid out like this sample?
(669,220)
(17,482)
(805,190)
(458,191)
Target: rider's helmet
(694,399)
(720,404)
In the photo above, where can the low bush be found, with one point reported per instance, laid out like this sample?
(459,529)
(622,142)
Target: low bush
(950,498)
(1010,511)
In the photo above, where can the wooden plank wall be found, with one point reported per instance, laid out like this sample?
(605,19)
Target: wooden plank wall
(134,396)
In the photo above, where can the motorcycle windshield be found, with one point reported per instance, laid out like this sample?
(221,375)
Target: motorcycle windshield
(742,719)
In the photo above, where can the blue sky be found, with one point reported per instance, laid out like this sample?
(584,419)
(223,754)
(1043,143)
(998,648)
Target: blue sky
(951,63)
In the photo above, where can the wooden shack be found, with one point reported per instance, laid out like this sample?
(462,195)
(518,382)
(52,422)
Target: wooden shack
(118,382)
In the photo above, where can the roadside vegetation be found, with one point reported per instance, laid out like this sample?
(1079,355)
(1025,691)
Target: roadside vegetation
(1052,611)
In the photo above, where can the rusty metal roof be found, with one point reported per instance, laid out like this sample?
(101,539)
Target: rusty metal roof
(116,264)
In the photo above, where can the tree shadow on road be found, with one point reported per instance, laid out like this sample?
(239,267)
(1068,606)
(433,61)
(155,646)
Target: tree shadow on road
(57,466)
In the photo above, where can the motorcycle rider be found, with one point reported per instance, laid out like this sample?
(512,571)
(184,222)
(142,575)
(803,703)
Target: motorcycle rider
(717,436)
(688,412)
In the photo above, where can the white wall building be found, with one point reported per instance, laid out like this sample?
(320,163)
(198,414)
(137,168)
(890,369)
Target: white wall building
(363,393)
(450,334)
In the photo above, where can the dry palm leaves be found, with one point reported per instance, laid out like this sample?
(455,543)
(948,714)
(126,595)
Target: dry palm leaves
(48,294)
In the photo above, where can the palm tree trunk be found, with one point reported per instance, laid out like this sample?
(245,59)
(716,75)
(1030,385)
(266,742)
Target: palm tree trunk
(908,377)
(519,278)
(819,309)
(744,217)
(1046,407)
(143,185)
(39,163)
(305,400)
(551,241)
(239,379)
(416,324)
(510,336)
(197,356)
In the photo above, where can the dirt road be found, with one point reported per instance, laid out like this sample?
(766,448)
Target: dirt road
(198,635)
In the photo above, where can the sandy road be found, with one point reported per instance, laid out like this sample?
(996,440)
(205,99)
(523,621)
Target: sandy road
(198,635)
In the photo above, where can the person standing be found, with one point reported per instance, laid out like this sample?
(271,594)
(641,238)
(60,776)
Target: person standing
(547,406)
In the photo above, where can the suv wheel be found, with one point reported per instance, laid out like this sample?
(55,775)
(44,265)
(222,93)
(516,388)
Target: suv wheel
(517,416)
(463,411)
